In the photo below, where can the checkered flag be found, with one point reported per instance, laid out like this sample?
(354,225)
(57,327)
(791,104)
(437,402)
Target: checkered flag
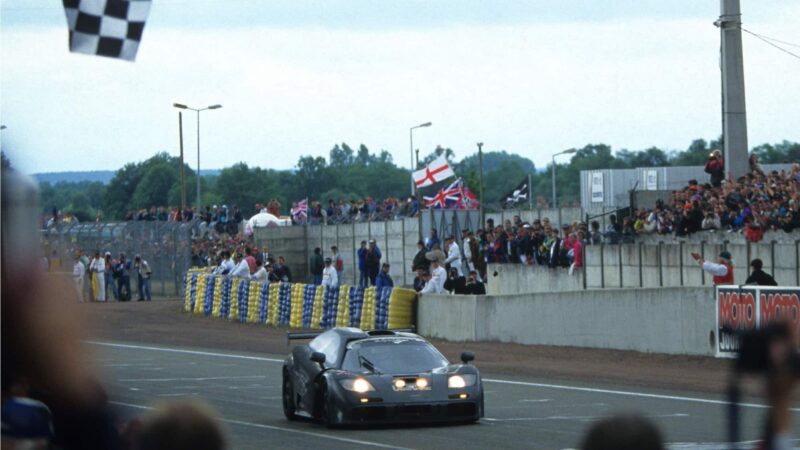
(110,28)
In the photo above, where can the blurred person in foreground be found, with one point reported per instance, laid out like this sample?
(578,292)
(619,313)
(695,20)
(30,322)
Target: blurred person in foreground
(179,426)
(623,432)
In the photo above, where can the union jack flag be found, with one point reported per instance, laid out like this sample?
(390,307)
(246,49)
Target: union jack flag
(456,196)
(300,210)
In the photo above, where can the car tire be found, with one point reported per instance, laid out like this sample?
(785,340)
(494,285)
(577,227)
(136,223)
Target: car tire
(287,394)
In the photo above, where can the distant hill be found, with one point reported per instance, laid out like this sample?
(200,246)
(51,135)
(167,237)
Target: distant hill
(103,176)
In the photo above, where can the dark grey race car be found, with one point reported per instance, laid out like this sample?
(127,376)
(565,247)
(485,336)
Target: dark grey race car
(346,376)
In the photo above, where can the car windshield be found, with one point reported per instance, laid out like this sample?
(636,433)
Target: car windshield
(393,356)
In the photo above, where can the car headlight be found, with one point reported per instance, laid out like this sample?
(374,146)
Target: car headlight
(359,385)
(460,381)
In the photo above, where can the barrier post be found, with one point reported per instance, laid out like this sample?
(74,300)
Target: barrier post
(680,259)
(703,255)
(660,265)
(602,265)
(641,263)
(619,261)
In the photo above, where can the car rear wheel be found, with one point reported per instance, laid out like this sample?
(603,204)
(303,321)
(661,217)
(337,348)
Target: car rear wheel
(288,397)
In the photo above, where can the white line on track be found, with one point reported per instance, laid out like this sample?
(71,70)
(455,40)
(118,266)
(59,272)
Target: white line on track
(193,379)
(188,352)
(628,393)
(485,380)
(287,430)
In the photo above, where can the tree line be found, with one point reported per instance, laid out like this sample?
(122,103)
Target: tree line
(355,173)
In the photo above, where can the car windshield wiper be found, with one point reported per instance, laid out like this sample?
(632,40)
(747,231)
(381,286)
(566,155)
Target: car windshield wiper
(367,364)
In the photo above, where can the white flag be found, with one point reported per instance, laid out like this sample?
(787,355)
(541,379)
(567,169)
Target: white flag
(434,172)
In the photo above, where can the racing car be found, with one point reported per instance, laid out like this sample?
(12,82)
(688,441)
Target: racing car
(347,376)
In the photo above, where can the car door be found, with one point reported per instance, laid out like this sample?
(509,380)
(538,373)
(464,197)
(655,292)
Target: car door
(304,376)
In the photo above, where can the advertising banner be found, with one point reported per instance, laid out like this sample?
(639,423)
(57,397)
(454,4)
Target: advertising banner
(650,179)
(744,308)
(597,187)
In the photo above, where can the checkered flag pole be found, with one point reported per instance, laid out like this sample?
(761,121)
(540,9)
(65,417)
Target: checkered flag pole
(111,28)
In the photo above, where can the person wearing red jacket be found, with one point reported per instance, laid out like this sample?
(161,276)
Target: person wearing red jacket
(715,167)
(722,270)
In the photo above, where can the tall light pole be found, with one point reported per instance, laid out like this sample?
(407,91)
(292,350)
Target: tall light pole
(411,142)
(565,152)
(181,106)
(183,176)
(480,180)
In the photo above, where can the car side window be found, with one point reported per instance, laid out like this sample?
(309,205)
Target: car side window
(327,343)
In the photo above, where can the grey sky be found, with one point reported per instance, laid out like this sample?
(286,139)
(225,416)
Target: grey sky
(296,77)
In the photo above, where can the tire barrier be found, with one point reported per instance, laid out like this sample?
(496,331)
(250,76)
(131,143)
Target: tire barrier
(298,305)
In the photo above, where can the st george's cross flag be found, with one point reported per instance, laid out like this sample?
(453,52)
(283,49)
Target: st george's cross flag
(438,170)
(110,28)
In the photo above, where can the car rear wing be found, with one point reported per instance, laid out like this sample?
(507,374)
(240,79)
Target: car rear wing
(312,334)
(301,336)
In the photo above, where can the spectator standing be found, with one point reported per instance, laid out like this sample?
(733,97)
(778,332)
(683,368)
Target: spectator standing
(715,168)
(758,276)
(98,269)
(316,265)
(555,249)
(435,283)
(143,277)
(123,269)
(433,239)
(420,262)
(384,279)
(437,254)
(373,261)
(420,279)
(78,273)
(455,283)
(260,274)
(329,276)
(251,261)
(722,270)
(282,270)
(109,276)
(338,262)
(241,269)
(453,260)
(474,285)
(362,265)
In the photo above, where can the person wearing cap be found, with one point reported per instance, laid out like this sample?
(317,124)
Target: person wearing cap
(143,278)
(758,276)
(316,266)
(384,279)
(453,260)
(722,270)
(715,167)
(329,276)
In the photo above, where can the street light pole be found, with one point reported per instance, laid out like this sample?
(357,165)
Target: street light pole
(411,145)
(565,152)
(183,175)
(198,111)
(480,180)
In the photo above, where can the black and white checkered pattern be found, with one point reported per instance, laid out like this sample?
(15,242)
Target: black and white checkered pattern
(110,28)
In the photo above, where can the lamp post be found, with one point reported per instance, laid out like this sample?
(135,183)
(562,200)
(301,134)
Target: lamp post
(565,152)
(198,111)
(411,143)
(480,181)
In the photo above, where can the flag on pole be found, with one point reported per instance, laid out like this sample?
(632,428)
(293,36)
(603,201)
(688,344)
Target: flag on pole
(299,211)
(110,28)
(455,196)
(437,170)
(518,194)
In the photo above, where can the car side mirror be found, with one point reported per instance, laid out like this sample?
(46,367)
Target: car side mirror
(318,357)
(466,357)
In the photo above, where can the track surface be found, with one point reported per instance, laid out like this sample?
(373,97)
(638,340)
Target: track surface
(529,410)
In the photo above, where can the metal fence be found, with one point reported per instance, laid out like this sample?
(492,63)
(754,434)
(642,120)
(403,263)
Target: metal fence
(166,246)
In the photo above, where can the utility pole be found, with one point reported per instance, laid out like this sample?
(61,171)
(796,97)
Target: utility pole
(734,119)
(480,181)
(183,176)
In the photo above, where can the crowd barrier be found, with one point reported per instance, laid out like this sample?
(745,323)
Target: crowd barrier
(298,305)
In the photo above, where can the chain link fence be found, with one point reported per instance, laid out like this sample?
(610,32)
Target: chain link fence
(166,246)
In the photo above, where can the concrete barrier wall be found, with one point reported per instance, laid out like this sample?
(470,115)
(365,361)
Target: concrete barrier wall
(645,265)
(667,320)
(397,240)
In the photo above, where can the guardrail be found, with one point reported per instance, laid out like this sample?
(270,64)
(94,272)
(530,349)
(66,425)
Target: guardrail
(298,305)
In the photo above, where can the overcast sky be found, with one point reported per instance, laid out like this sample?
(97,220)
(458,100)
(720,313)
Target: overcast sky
(295,77)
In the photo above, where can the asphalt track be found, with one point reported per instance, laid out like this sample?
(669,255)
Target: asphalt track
(245,390)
